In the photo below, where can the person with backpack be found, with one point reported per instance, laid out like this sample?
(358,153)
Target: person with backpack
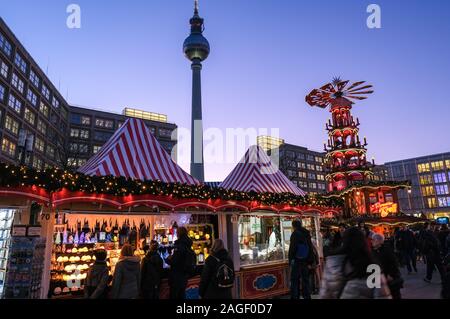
(96,283)
(182,264)
(301,257)
(217,279)
(346,273)
(151,272)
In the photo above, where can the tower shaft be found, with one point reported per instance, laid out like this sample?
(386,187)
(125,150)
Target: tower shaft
(197,166)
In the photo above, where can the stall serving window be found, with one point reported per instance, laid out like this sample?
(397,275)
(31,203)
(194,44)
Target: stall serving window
(266,238)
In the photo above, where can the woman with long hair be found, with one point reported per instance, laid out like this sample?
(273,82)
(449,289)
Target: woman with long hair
(346,274)
(126,280)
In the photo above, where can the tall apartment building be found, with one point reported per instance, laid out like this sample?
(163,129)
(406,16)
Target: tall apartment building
(90,129)
(34,114)
(303,167)
(430,178)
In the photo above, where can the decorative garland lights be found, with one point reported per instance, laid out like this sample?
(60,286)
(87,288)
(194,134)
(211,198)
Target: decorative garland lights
(370,184)
(54,179)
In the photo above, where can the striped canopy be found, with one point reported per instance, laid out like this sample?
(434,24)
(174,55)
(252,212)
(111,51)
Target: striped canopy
(133,152)
(256,172)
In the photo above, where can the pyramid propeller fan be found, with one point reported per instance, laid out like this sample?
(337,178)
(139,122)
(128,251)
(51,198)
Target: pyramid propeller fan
(324,96)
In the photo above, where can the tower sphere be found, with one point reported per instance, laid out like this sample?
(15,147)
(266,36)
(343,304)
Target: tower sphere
(196,47)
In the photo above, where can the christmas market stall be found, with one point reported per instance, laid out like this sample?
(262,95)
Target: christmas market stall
(260,236)
(132,192)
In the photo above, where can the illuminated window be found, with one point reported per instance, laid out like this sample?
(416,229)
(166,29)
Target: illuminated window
(5,46)
(301,165)
(441,189)
(311,176)
(34,79)
(39,144)
(45,92)
(320,177)
(321,186)
(31,97)
(84,134)
(8,147)
(319,159)
(431,202)
(145,115)
(440,178)
(423,168)
(437,166)
(17,83)
(319,168)
(96,148)
(427,190)
(20,62)
(309,157)
(302,174)
(302,184)
(37,163)
(14,103)
(55,103)
(4,69)
(43,109)
(30,117)
(2,93)
(12,125)
(42,127)
(425,179)
(442,201)
(311,167)
(447,163)
(50,151)
(313,185)
(85,120)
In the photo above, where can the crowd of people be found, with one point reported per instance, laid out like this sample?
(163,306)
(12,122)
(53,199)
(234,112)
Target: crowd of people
(350,255)
(135,278)
(350,250)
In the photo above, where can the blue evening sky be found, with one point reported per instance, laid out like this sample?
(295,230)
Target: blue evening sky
(266,55)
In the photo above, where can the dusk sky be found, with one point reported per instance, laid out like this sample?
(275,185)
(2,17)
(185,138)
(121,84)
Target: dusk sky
(266,55)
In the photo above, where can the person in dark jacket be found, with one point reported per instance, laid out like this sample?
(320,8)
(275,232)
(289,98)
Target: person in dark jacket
(407,247)
(337,239)
(151,272)
(385,258)
(430,247)
(301,257)
(442,237)
(209,286)
(96,283)
(126,280)
(179,275)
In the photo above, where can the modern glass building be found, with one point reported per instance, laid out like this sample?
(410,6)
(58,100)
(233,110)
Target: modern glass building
(430,178)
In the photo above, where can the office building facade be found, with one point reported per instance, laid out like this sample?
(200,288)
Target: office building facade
(90,129)
(40,129)
(430,179)
(302,166)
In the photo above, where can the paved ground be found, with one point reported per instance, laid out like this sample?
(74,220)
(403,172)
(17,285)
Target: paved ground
(414,286)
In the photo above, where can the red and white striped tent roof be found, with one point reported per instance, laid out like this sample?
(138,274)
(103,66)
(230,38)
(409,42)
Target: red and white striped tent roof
(135,153)
(256,172)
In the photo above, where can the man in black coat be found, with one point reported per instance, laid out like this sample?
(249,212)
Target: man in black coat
(385,258)
(431,250)
(151,272)
(407,248)
(301,258)
(179,274)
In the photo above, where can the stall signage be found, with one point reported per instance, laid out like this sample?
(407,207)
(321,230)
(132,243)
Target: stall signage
(388,208)
(19,231)
(34,231)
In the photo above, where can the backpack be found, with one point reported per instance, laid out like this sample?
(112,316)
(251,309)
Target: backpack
(224,274)
(302,250)
(190,263)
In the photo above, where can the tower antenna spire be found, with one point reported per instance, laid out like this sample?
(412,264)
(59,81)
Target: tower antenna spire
(196,6)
